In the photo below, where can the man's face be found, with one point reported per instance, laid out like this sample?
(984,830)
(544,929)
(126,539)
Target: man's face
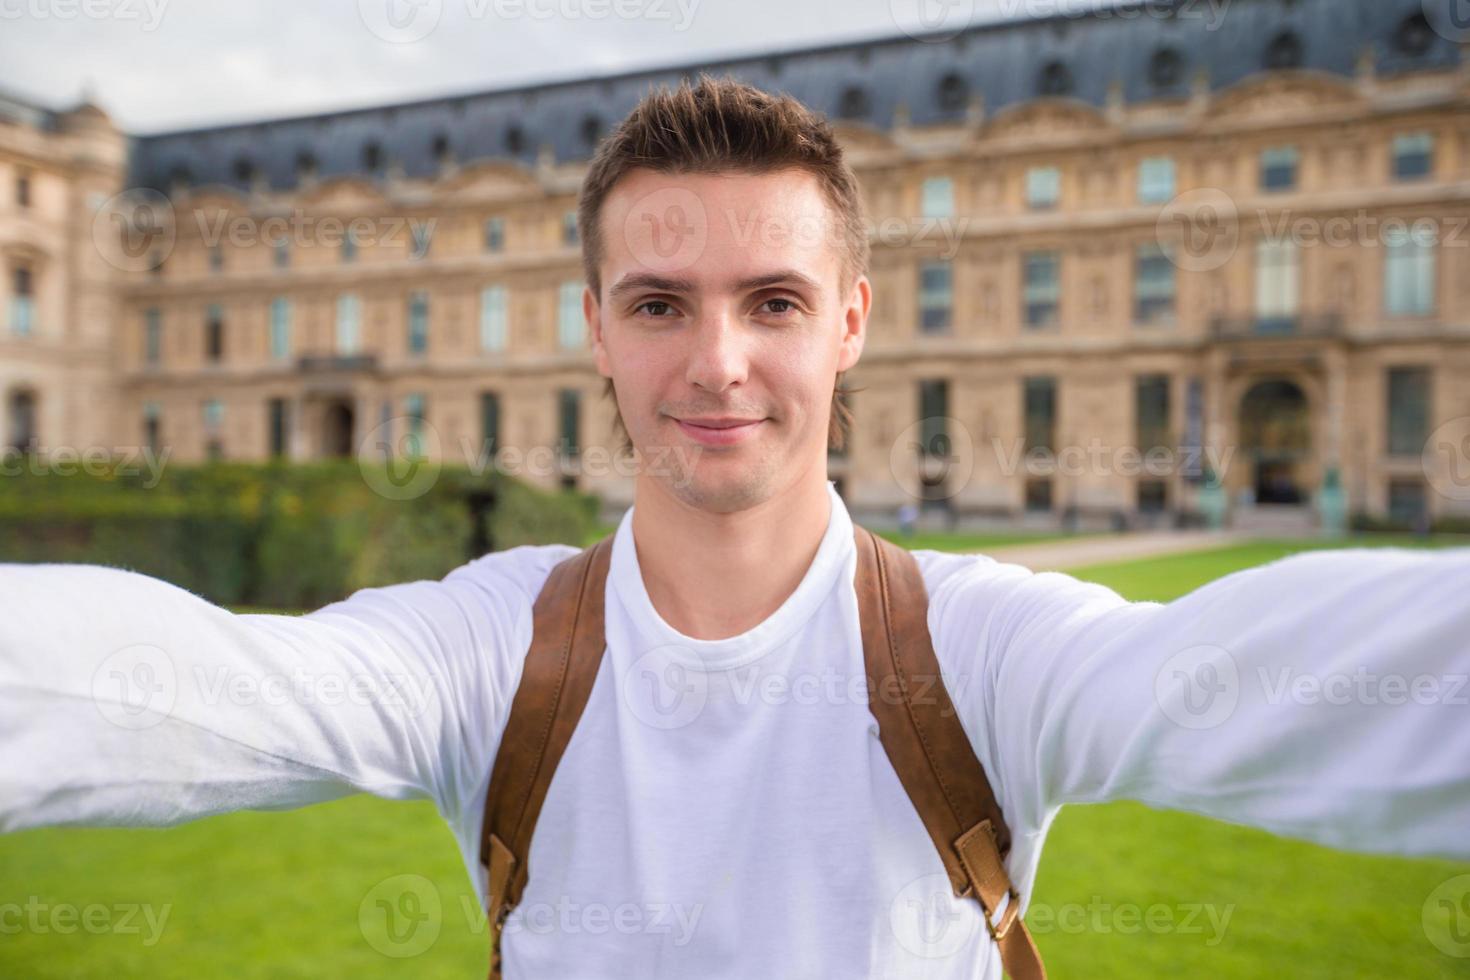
(723,329)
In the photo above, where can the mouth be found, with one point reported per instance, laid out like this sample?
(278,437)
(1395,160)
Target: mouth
(722,431)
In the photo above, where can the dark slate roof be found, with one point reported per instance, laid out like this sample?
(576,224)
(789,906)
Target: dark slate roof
(21,110)
(1154,48)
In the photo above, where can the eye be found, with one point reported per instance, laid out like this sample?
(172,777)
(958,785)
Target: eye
(786,303)
(655,307)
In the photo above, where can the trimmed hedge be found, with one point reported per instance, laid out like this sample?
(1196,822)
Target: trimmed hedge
(278,535)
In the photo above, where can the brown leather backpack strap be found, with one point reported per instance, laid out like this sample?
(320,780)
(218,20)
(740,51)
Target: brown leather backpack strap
(566,650)
(928,747)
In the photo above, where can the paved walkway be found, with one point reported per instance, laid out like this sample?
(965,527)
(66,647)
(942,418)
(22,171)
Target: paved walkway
(1094,550)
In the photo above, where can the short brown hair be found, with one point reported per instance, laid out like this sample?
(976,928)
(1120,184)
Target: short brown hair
(719,125)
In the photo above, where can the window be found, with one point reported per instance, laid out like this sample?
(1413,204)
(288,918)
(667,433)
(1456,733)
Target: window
(1406,501)
(349,245)
(278,422)
(1408,410)
(1278,168)
(423,237)
(152,423)
(152,335)
(280,328)
(418,321)
(1043,187)
(22,302)
(569,418)
(1038,494)
(1413,156)
(1166,68)
(854,103)
(216,258)
(936,198)
(1155,180)
(283,253)
(1039,395)
(1041,287)
(569,228)
(1278,286)
(214,333)
(490,422)
(1151,411)
(1409,271)
(1284,52)
(1153,496)
(1153,285)
(935,297)
(23,190)
(349,323)
(493,325)
(214,417)
(934,418)
(952,93)
(494,232)
(372,158)
(569,325)
(413,409)
(1054,80)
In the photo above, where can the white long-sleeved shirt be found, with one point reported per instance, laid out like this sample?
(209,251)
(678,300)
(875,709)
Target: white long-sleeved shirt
(725,808)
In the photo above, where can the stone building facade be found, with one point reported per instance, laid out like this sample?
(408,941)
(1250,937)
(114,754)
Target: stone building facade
(1114,257)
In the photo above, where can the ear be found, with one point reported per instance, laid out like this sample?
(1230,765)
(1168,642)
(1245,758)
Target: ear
(855,323)
(592,313)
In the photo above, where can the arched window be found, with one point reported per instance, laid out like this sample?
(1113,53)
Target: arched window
(854,103)
(1166,68)
(1284,51)
(1055,80)
(952,92)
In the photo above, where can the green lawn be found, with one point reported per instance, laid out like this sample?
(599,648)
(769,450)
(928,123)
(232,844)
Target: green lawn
(1124,891)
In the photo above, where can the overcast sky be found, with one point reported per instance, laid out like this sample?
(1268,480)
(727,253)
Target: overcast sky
(169,64)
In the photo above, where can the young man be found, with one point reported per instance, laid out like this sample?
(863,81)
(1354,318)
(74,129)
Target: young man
(726,780)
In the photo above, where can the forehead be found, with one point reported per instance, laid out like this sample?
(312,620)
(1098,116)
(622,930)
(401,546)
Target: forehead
(713,228)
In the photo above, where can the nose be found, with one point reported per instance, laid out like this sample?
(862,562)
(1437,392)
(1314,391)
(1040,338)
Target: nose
(719,358)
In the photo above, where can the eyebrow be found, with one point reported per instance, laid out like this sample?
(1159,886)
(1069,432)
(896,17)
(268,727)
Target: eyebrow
(635,281)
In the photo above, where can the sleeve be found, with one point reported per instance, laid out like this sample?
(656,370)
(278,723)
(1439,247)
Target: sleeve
(128,701)
(1322,696)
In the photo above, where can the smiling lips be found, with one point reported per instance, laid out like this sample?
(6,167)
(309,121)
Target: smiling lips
(722,431)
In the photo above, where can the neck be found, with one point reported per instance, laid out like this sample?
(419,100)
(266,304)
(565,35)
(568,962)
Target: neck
(714,576)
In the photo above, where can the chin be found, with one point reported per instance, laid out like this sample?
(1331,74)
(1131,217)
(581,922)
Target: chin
(723,485)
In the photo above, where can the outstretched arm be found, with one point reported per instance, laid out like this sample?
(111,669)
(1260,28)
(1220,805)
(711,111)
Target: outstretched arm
(125,700)
(1322,696)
